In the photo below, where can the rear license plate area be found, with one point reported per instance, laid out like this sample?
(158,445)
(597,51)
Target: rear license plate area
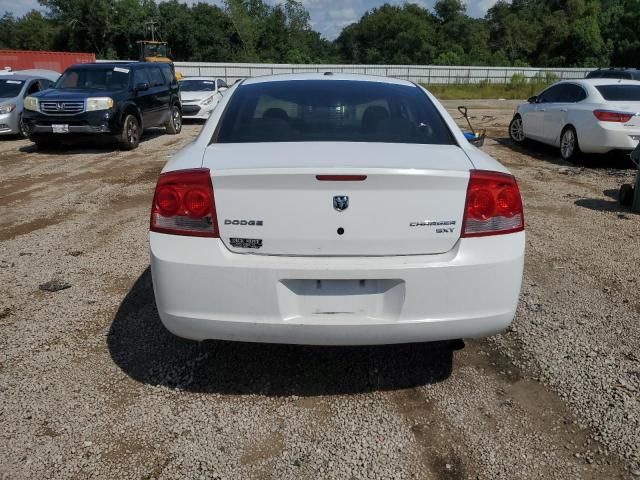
(326,298)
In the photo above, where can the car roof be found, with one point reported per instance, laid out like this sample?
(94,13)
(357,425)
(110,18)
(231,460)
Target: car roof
(22,77)
(40,73)
(99,66)
(103,65)
(289,77)
(616,69)
(594,82)
(200,78)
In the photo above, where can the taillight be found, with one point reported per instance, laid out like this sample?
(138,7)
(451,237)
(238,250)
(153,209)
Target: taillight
(493,205)
(612,116)
(183,204)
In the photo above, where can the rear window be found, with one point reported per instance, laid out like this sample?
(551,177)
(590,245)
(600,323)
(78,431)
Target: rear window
(629,93)
(332,111)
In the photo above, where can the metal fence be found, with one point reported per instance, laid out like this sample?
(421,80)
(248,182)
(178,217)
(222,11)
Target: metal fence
(429,74)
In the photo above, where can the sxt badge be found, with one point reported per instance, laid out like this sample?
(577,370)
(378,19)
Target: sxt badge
(246,242)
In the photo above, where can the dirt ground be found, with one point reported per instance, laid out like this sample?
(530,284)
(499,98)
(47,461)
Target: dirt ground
(92,385)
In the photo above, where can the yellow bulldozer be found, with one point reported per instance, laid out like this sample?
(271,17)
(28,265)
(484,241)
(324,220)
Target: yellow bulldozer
(155,51)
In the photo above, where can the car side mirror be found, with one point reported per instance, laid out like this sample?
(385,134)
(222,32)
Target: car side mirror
(533,99)
(141,87)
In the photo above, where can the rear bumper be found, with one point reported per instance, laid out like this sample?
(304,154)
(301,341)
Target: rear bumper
(604,137)
(203,291)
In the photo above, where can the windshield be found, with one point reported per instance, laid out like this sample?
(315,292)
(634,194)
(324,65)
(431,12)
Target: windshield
(332,110)
(155,50)
(10,88)
(94,78)
(198,85)
(629,93)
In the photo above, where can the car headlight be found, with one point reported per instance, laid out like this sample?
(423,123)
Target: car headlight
(7,108)
(99,103)
(31,103)
(207,101)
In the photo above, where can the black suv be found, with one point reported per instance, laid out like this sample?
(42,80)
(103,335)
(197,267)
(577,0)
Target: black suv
(620,73)
(107,100)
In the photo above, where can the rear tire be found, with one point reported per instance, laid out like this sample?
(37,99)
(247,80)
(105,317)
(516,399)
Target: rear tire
(626,194)
(516,129)
(174,125)
(130,136)
(569,146)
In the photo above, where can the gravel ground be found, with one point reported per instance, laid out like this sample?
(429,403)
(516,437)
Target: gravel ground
(92,386)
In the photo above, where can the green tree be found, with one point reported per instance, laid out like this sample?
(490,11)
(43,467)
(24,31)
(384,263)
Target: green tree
(461,40)
(34,32)
(214,38)
(449,10)
(7,31)
(619,22)
(85,25)
(248,18)
(130,25)
(517,32)
(391,34)
(31,32)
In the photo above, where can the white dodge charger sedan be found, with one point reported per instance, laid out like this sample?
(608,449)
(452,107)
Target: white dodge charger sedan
(597,115)
(334,210)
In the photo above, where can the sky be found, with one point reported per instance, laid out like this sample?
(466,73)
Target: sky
(328,17)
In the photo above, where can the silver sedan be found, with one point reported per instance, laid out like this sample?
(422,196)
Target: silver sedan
(14,87)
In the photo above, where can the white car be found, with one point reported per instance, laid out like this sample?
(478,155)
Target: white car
(200,95)
(334,209)
(597,115)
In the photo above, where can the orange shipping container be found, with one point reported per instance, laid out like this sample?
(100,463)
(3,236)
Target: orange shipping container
(28,59)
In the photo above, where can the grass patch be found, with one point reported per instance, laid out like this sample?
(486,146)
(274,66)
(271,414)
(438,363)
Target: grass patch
(518,88)
(507,91)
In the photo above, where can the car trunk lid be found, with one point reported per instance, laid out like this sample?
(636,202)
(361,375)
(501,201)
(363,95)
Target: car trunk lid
(628,107)
(293,199)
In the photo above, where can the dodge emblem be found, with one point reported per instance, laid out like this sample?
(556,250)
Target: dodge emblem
(340,202)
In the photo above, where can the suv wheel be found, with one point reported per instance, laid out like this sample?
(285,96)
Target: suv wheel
(174,125)
(626,194)
(130,136)
(24,130)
